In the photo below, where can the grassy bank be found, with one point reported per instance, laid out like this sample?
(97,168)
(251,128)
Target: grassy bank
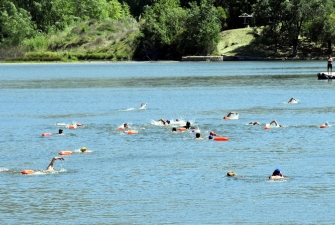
(245,42)
(117,41)
(91,40)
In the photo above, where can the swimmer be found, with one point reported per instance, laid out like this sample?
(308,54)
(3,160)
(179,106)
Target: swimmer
(126,125)
(212,133)
(51,165)
(231,174)
(275,123)
(85,150)
(165,122)
(326,124)
(254,123)
(292,101)
(231,115)
(198,137)
(60,132)
(143,105)
(188,125)
(276,175)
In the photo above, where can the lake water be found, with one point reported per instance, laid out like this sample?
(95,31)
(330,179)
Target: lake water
(156,176)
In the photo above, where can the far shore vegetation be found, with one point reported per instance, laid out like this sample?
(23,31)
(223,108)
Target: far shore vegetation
(150,30)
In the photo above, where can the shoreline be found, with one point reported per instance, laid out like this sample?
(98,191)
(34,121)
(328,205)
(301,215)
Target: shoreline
(221,58)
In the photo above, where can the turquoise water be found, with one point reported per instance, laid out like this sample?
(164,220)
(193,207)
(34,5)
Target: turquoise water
(155,176)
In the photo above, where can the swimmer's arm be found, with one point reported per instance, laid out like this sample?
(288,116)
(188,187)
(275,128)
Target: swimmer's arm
(51,165)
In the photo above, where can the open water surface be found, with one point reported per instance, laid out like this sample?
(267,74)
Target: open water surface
(155,176)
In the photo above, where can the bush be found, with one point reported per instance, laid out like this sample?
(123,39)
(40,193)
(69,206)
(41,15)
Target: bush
(38,43)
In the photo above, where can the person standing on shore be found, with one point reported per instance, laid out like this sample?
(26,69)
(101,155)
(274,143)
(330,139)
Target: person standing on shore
(330,65)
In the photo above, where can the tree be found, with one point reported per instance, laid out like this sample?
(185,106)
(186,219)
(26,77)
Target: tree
(235,8)
(290,16)
(15,24)
(162,27)
(268,13)
(322,29)
(137,7)
(202,29)
(41,12)
(116,10)
(222,16)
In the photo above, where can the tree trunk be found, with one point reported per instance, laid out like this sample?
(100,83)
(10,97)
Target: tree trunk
(329,42)
(295,47)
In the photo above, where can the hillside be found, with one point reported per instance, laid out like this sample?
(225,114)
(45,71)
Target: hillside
(117,41)
(242,42)
(233,40)
(91,40)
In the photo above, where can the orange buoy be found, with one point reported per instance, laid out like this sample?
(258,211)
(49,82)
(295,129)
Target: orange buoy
(221,139)
(27,171)
(131,132)
(71,126)
(46,134)
(121,128)
(226,118)
(65,152)
(323,126)
(181,128)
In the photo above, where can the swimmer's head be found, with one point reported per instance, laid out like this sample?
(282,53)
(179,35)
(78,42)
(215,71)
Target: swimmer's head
(125,125)
(177,120)
(168,121)
(174,129)
(83,149)
(231,174)
(326,123)
(276,172)
(210,137)
(212,133)
(60,131)
(197,135)
(188,124)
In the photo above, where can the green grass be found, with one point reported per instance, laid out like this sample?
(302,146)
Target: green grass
(244,42)
(91,40)
(231,40)
(117,41)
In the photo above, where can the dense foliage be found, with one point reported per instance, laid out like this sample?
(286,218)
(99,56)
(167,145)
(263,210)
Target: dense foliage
(170,31)
(158,29)
(287,20)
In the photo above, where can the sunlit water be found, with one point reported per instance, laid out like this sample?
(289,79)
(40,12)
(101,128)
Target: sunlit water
(155,176)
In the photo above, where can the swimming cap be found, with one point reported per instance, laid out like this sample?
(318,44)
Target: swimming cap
(168,121)
(210,137)
(276,172)
(83,149)
(212,133)
(231,174)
